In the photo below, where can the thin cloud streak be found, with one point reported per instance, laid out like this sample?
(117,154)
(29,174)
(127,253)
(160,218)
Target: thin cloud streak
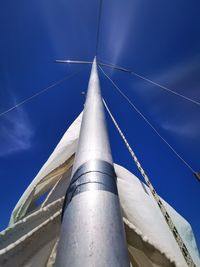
(188,129)
(181,78)
(179,73)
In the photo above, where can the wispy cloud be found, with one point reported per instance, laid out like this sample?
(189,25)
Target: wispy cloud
(186,129)
(173,113)
(16,132)
(178,77)
(181,74)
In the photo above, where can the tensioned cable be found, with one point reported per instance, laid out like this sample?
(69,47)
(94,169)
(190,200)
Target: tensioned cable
(119,68)
(147,121)
(152,82)
(166,215)
(98,26)
(37,94)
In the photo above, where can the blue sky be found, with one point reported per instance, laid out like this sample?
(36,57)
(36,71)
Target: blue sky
(160,40)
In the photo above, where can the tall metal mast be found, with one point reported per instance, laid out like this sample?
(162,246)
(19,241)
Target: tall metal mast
(92,233)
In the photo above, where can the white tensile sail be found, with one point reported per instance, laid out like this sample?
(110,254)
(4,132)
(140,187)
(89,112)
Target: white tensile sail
(32,236)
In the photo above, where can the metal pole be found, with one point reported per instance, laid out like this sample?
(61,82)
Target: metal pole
(92,233)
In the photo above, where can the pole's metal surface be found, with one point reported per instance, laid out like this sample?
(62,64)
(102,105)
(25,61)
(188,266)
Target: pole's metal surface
(92,233)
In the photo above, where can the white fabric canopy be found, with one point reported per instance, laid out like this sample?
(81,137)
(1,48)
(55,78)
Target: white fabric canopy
(32,236)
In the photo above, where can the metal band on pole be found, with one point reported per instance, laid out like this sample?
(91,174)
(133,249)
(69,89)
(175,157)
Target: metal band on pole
(93,175)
